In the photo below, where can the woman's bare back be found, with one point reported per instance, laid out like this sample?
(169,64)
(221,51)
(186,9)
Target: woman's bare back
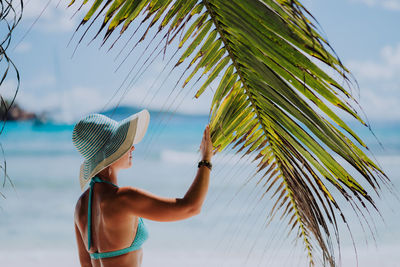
(111,229)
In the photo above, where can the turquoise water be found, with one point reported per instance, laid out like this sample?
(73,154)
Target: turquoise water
(37,215)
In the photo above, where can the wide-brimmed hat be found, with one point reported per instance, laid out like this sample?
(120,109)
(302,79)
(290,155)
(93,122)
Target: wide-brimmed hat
(102,141)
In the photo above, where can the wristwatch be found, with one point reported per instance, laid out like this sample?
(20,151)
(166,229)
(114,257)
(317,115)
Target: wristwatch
(205,163)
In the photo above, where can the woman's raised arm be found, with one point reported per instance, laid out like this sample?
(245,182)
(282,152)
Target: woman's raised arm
(144,204)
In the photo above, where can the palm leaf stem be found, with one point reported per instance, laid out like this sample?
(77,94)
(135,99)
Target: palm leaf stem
(250,96)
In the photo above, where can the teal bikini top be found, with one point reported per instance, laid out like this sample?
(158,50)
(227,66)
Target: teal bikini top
(141,232)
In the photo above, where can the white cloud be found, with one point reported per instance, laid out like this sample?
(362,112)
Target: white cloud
(23,47)
(391,55)
(391,4)
(70,103)
(380,84)
(52,15)
(8,88)
(386,68)
(40,81)
(371,70)
(31,93)
(182,102)
(386,4)
(67,105)
(381,103)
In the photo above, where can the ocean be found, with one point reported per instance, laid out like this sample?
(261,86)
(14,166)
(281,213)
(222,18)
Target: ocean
(36,215)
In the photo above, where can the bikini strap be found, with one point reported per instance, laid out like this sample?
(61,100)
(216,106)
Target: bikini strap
(99,180)
(89,225)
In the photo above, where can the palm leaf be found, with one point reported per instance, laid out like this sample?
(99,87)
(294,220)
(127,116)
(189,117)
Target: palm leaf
(273,102)
(10,16)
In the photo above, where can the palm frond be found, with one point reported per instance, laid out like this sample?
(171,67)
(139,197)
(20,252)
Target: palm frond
(10,15)
(272,102)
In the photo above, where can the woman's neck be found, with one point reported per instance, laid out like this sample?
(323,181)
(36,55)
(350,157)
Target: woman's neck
(108,174)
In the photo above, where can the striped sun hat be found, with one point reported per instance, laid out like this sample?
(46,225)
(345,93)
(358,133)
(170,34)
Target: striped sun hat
(102,141)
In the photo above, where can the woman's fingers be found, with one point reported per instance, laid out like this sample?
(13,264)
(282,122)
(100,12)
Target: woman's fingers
(208,134)
(203,140)
(206,144)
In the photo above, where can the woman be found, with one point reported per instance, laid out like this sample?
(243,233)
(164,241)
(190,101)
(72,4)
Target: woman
(108,219)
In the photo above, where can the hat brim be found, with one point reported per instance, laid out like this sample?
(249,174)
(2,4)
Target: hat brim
(130,131)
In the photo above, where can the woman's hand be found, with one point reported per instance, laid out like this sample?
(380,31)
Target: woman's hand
(206,147)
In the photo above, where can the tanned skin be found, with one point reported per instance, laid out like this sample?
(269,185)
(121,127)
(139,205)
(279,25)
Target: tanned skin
(115,211)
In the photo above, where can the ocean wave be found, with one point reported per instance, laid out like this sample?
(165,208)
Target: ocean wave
(179,156)
(182,157)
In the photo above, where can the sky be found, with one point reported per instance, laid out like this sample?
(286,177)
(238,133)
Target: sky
(364,33)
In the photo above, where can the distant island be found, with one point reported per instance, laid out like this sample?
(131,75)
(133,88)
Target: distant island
(15,112)
(122,112)
(18,113)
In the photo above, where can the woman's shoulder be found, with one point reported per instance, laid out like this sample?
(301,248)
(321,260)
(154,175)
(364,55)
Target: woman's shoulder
(117,197)
(80,204)
(125,200)
(129,193)
(82,197)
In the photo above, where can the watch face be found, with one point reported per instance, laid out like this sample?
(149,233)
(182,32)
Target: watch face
(205,163)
